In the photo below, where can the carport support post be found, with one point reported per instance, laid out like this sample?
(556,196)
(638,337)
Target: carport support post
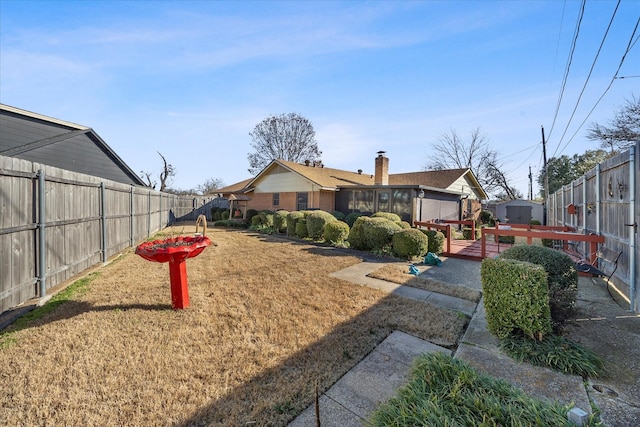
(42,279)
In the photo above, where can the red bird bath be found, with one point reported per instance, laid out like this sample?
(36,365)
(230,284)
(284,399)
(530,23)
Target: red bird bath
(175,251)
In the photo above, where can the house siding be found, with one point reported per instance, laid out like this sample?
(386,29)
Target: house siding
(284,183)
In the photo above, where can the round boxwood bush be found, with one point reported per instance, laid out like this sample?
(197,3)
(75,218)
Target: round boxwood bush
(486,217)
(436,240)
(350,219)
(292,221)
(338,215)
(336,232)
(410,243)
(250,214)
(372,233)
(316,221)
(404,225)
(562,277)
(301,228)
(388,215)
(280,221)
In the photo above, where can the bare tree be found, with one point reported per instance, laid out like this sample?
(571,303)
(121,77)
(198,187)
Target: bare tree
(624,129)
(210,186)
(146,176)
(452,152)
(167,174)
(288,137)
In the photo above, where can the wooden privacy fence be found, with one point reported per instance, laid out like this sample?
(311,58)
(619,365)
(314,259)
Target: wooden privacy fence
(55,223)
(605,202)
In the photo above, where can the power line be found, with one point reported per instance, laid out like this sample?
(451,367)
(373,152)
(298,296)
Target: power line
(568,66)
(584,86)
(624,55)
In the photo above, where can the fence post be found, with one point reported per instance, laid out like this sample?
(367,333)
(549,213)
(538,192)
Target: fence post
(42,273)
(149,217)
(633,229)
(598,201)
(103,221)
(131,238)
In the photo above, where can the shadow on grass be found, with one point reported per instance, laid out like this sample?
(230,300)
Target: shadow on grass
(289,387)
(33,316)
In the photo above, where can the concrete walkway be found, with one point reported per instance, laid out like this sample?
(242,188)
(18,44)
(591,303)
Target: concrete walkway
(377,377)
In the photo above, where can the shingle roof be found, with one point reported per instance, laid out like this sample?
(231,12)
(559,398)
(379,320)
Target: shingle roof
(328,177)
(234,188)
(438,179)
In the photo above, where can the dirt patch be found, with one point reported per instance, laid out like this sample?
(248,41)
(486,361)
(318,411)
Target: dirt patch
(397,273)
(265,323)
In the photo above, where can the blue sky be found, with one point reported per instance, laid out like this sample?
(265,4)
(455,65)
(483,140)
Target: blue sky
(191,79)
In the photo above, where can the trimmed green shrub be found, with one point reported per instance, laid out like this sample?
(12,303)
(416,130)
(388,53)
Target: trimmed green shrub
(507,239)
(338,215)
(404,225)
(516,298)
(387,215)
(350,219)
(534,222)
(292,222)
(301,228)
(410,243)
(224,215)
(316,221)
(486,217)
(256,221)
(562,277)
(251,213)
(372,233)
(356,233)
(336,231)
(436,240)
(280,221)
(467,233)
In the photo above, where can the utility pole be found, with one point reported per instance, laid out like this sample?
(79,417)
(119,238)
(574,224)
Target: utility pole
(530,184)
(546,179)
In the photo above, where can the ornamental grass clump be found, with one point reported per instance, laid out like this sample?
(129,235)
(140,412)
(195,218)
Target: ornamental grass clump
(443,391)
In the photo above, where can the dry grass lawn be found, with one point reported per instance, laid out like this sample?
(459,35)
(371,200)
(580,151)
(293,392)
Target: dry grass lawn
(265,323)
(399,273)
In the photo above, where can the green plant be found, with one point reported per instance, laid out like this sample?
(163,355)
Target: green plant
(534,222)
(516,297)
(370,233)
(507,239)
(224,215)
(436,240)
(251,213)
(404,225)
(486,217)
(336,232)
(555,352)
(316,220)
(301,228)
(387,215)
(444,391)
(562,277)
(338,215)
(292,221)
(409,244)
(467,233)
(280,221)
(350,219)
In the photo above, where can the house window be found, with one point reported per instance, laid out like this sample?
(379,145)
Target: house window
(383,202)
(402,204)
(363,201)
(276,199)
(302,201)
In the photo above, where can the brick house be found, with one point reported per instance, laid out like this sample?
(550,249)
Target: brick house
(446,194)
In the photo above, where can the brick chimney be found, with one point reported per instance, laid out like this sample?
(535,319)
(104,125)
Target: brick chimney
(382,169)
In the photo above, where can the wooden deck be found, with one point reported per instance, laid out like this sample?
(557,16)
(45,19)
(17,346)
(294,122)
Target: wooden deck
(472,249)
